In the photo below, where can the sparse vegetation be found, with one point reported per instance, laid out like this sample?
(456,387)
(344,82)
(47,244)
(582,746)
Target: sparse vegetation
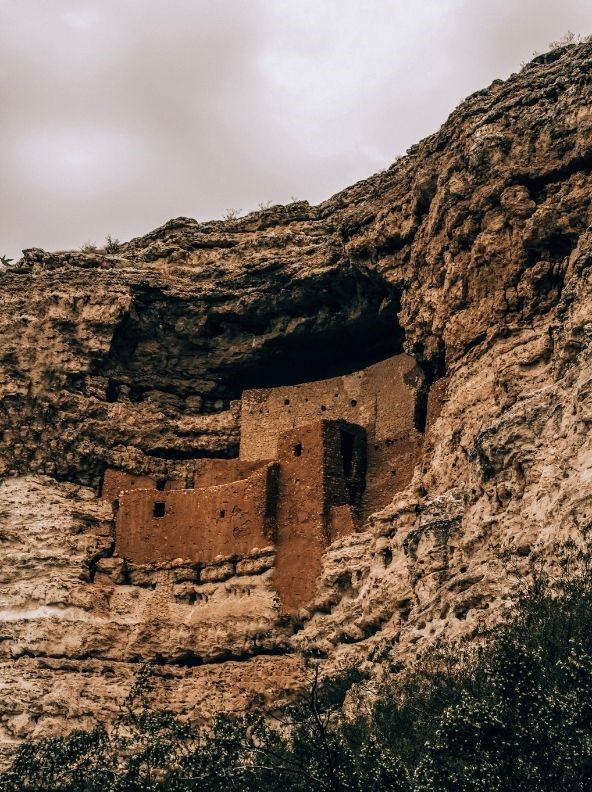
(112,245)
(568,38)
(4,265)
(232,214)
(515,715)
(89,247)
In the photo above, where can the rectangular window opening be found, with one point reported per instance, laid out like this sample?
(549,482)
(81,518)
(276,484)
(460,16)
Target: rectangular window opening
(159,509)
(347,453)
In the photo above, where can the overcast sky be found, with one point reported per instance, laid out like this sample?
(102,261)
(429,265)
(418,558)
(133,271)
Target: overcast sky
(117,115)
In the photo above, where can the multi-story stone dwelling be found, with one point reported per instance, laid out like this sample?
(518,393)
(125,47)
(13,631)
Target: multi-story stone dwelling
(315,460)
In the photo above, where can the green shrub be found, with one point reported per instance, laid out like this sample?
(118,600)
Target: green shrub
(515,715)
(112,245)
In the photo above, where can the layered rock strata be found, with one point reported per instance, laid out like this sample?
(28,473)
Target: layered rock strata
(472,254)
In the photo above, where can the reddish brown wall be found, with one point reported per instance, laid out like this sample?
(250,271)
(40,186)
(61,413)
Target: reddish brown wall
(200,524)
(381,398)
(300,525)
(311,484)
(116,481)
(310,498)
(391,464)
(236,504)
(174,484)
(343,487)
(343,521)
(211,472)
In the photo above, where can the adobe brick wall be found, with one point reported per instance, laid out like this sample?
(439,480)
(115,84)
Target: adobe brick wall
(391,464)
(300,525)
(302,502)
(198,524)
(343,521)
(345,466)
(343,447)
(381,398)
(212,472)
(116,481)
(311,482)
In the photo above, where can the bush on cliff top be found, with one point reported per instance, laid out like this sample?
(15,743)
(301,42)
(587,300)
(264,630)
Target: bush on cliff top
(517,717)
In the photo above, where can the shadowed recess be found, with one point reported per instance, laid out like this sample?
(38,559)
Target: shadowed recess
(334,324)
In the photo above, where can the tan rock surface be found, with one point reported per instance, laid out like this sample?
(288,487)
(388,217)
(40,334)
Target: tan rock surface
(506,483)
(471,253)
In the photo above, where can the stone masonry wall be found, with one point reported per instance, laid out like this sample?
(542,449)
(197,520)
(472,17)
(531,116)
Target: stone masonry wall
(312,480)
(196,524)
(212,472)
(116,481)
(300,527)
(237,507)
(383,399)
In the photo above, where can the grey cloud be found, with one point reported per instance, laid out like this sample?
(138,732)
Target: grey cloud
(119,114)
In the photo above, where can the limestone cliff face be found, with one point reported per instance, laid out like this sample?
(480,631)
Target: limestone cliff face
(472,254)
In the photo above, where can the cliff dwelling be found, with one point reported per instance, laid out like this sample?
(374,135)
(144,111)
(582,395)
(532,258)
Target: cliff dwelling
(315,460)
(216,463)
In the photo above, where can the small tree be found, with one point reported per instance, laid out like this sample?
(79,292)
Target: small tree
(515,715)
(112,245)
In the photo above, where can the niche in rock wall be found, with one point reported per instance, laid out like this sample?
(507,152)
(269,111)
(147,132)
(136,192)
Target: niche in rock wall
(334,324)
(341,333)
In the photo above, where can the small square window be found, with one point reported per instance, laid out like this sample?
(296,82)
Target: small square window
(297,449)
(159,509)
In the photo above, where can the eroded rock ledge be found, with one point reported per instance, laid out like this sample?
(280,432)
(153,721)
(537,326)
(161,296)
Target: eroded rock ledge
(472,254)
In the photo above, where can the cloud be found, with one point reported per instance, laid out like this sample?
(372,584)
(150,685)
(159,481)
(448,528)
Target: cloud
(119,114)
(81,19)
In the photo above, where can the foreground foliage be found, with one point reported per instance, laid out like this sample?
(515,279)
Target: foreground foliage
(518,716)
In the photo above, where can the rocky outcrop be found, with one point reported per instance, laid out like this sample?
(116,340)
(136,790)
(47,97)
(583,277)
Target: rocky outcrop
(471,253)
(505,487)
(76,622)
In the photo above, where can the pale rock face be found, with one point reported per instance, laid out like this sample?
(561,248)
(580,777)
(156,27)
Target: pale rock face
(471,253)
(70,646)
(507,475)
